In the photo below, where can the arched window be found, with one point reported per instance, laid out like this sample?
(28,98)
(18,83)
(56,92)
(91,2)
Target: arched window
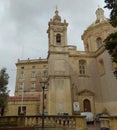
(99,42)
(87,105)
(58,38)
(82,67)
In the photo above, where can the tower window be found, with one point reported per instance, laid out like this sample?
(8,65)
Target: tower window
(82,67)
(58,38)
(99,42)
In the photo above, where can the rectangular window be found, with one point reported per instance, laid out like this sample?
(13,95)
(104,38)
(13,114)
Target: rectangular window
(21,85)
(33,75)
(82,67)
(45,74)
(22,110)
(22,75)
(33,85)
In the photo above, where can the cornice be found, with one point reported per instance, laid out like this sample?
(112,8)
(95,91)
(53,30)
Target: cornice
(57,52)
(59,24)
(83,54)
(59,76)
(28,98)
(31,61)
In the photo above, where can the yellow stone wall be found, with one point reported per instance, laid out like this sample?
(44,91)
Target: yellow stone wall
(32,105)
(38,66)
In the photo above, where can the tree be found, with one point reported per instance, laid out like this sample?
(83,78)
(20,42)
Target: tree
(112,5)
(111,40)
(3,89)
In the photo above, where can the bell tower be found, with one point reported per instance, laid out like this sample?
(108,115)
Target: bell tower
(57,31)
(59,96)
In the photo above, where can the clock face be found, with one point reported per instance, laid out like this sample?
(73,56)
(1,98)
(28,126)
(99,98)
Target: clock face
(76,106)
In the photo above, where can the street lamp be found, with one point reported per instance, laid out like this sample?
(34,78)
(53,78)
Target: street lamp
(43,107)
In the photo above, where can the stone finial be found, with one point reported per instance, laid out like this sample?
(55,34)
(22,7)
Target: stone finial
(57,18)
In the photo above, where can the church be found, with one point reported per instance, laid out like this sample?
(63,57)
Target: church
(69,80)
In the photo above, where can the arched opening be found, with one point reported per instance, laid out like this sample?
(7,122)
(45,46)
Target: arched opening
(58,38)
(99,42)
(87,105)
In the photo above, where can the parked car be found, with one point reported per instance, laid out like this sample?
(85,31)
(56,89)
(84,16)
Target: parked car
(89,116)
(97,117)
(45,113)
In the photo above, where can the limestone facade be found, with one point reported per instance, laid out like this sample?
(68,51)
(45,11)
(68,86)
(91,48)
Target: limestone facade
(75,80)
(30,105)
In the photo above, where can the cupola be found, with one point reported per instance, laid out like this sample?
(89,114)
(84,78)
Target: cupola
(57,18)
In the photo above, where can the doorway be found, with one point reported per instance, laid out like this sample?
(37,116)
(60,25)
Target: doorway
(87,105)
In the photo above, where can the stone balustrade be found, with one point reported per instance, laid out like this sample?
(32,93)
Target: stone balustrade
(67,122)
(108,122)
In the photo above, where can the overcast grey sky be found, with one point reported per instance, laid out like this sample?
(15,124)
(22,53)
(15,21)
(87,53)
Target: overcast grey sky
(23,26)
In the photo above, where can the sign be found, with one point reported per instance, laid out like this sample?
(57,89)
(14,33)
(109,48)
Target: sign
(76,106)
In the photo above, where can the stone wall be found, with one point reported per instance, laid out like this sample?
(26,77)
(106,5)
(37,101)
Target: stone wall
(32,105)
(109,122)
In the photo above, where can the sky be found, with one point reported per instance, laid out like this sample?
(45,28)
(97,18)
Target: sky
(24,23)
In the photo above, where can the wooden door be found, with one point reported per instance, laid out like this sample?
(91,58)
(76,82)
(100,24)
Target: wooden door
(87,105)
